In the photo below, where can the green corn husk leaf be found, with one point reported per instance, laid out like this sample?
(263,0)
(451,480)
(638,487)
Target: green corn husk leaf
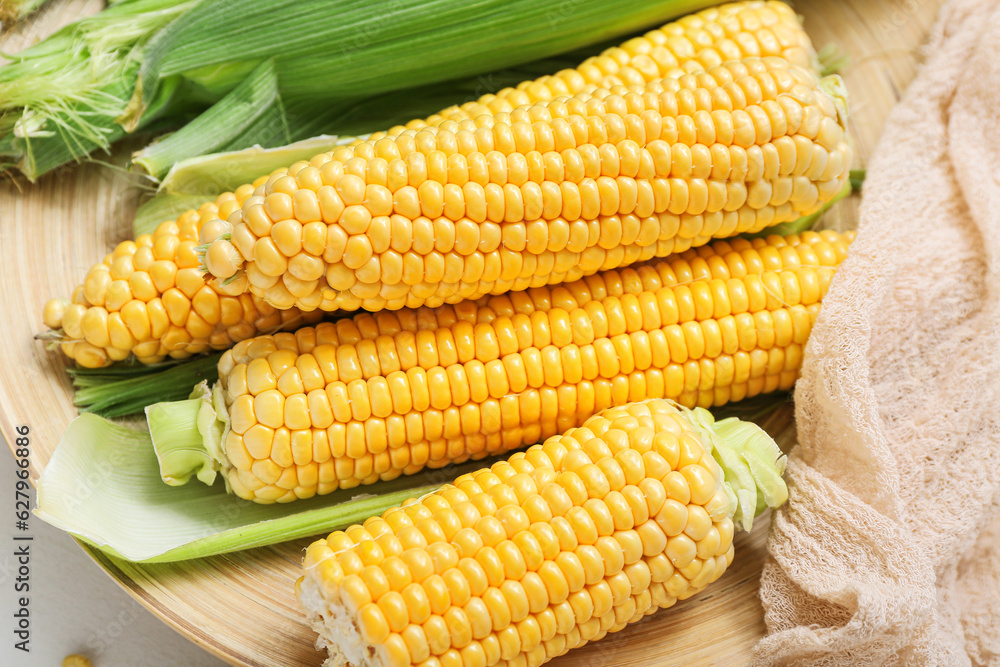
(374,49)
(208,176)
(127,388)
(832,60)
(361,116)
(192,182)
(103,486)
(60,97)
(857,177)
(751,461)
(252,112)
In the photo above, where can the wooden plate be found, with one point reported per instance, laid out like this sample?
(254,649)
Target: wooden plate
(241,606)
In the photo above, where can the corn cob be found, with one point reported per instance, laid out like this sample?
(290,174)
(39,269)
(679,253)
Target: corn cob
(704,39)
(699,41)
(545,194)
(556,547)
(379,395)
(149,299)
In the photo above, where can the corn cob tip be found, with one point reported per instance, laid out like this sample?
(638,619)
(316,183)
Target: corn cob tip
(148,300)
(751,460)
(558,546)
(52,312)
(834,86)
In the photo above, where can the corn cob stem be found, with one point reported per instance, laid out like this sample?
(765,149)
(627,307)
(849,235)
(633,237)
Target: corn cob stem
(558,546)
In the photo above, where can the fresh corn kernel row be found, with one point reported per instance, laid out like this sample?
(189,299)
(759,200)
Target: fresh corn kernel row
(581,123)
(380,395)
(555,547)
(723,259)
(744,167)
(698,41)
(149,299)
(593,184)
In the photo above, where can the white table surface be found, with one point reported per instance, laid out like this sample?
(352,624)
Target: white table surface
(74,606)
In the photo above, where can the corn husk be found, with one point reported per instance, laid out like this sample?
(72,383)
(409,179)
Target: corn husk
(102,485)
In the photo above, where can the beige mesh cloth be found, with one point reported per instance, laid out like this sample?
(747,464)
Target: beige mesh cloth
(888,551)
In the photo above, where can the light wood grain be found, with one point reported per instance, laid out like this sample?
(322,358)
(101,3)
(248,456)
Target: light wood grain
(241,606)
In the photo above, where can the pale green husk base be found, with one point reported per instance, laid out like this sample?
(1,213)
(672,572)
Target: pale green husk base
(751,461)
(103,486)
(188,435)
